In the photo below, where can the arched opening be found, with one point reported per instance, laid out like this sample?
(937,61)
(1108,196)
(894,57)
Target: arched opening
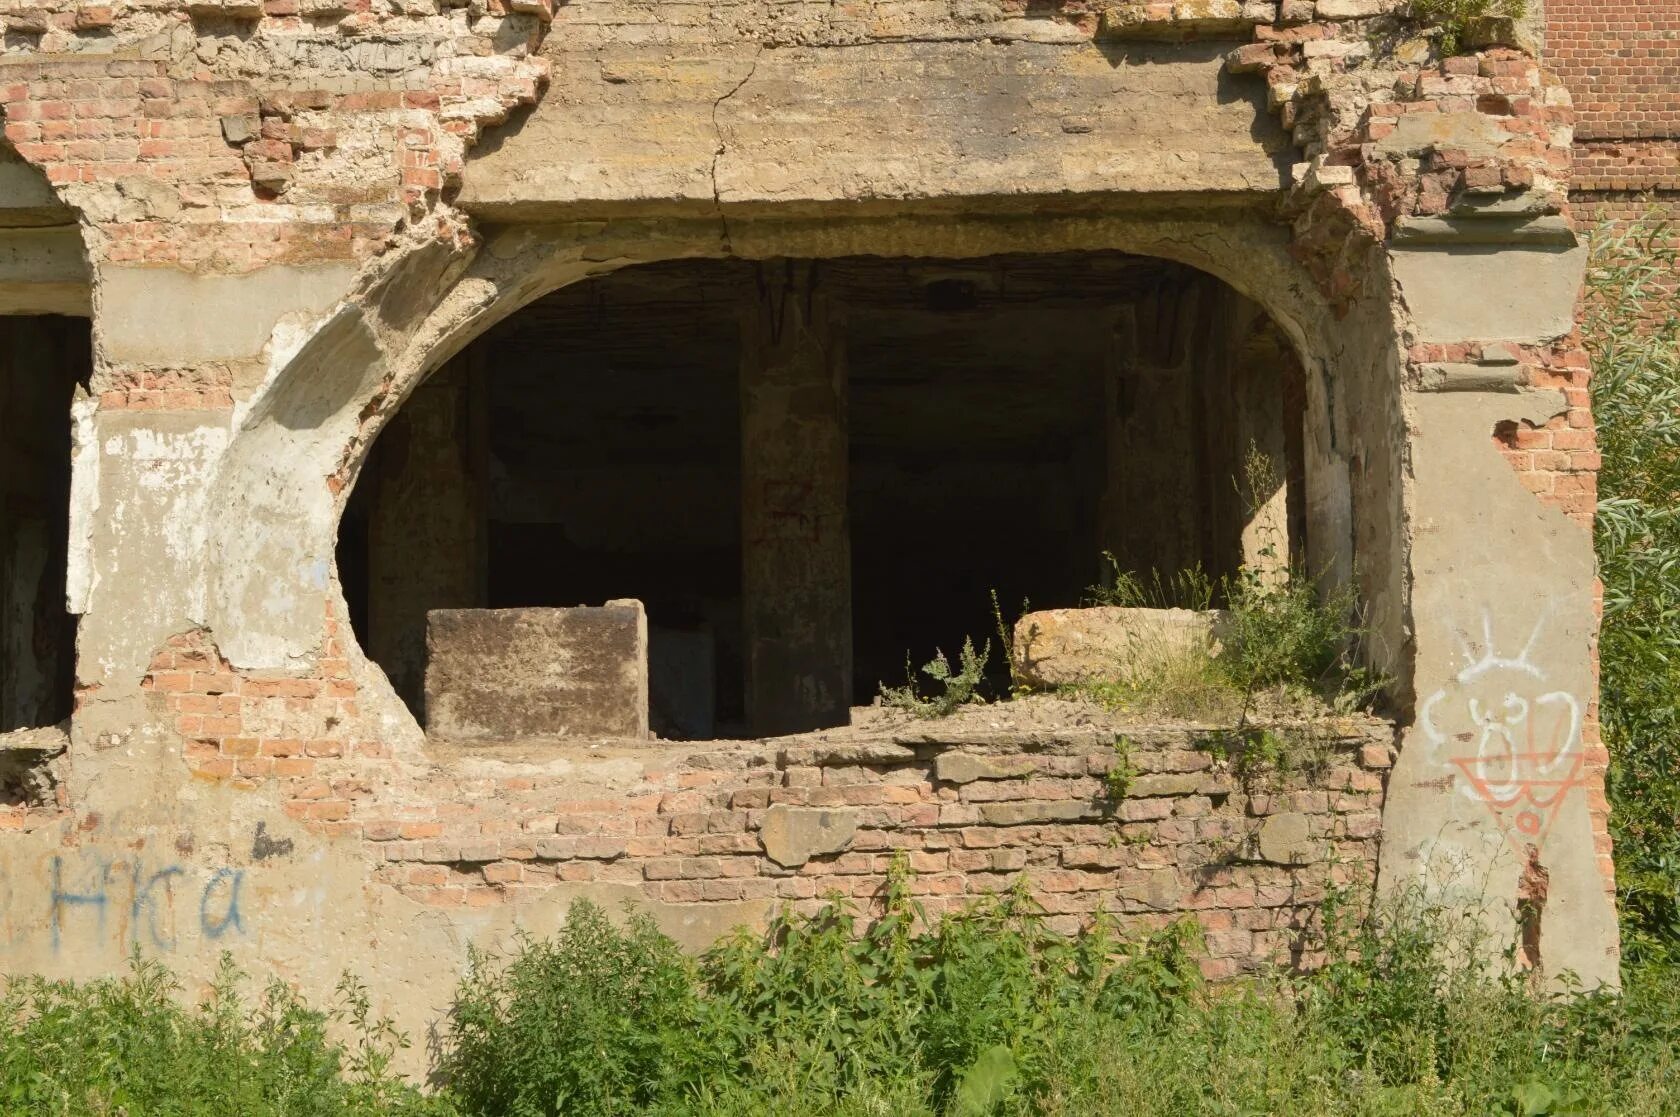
(42,360)
(807,471)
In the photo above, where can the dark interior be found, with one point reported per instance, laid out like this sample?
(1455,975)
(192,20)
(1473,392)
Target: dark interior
(1009,418)
(42,359)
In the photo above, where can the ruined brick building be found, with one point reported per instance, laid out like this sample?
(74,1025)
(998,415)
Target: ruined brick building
(803,325)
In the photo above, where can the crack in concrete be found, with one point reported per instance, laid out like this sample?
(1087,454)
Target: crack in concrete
(723,146)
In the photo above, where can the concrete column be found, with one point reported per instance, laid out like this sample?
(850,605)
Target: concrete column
(427,534)
(796,579)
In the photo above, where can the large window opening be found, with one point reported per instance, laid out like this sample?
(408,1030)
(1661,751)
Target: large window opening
(42,359)
(810,471)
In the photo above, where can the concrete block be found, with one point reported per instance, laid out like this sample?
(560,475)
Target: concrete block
(1286,839)
(505,674)
(1483,292)
(794,835)
(967,767)
(1058,647)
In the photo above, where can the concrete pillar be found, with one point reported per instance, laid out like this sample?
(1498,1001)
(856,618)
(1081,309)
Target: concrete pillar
(796,581)
(1151,513)
(427,533)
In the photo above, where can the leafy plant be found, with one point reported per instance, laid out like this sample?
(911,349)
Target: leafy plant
(1402,1010)
(1285,633)
(955,688)
(596,1020)
(1632,330)
(1397,1009)
(128,1046)
(1456,17)
(1118,780)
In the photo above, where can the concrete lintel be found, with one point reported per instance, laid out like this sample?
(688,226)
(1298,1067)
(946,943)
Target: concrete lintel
(1469,378)
(43,270)
(144,310)
(1485,229)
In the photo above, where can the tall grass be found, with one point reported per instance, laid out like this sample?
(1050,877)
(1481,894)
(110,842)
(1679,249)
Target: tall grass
(986,1012)
(1632,328)
(128,1048)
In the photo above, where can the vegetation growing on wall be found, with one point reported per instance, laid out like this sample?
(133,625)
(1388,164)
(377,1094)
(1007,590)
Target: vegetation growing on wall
(951,688)
(1632,328)
(1455,18)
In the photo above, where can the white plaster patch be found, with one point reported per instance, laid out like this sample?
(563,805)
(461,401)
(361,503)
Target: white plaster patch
(82,578)
(145,552)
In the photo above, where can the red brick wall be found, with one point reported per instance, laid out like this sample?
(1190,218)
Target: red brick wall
(1621,61)
(973,807)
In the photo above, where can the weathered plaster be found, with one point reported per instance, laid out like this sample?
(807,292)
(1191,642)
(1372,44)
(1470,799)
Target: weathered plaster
(145,579)
(1499,670)
(171,317)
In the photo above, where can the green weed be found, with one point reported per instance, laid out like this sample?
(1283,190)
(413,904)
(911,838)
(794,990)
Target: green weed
(1118,780)
(128,1046)
(955,689)
(986,1011)
(1632,328)
(1455,18)
(1182,589)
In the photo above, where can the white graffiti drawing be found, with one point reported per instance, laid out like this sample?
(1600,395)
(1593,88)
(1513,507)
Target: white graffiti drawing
(1514,744)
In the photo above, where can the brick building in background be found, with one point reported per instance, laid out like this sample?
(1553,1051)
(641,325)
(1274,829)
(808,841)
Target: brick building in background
(1621,60)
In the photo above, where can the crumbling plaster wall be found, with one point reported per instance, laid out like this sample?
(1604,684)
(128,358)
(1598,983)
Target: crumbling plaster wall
(266,199)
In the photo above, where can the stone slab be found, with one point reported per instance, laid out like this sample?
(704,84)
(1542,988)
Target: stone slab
(671,122)
(504,674)
(794,835)
(1063,647)
(1484,292)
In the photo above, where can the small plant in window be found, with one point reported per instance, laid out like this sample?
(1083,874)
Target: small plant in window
(1018,685)
(1182,589)
(957,688)
(1455,18)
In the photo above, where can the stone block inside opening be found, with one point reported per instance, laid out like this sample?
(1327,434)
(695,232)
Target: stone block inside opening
(498,675)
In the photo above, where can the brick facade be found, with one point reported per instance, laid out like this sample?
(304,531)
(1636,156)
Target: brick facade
(1189,831)
(1621,60)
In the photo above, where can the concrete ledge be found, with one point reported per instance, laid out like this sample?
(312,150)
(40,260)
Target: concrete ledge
(43,270)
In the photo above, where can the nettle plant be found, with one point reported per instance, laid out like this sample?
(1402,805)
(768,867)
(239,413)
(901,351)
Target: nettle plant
(1455,18)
